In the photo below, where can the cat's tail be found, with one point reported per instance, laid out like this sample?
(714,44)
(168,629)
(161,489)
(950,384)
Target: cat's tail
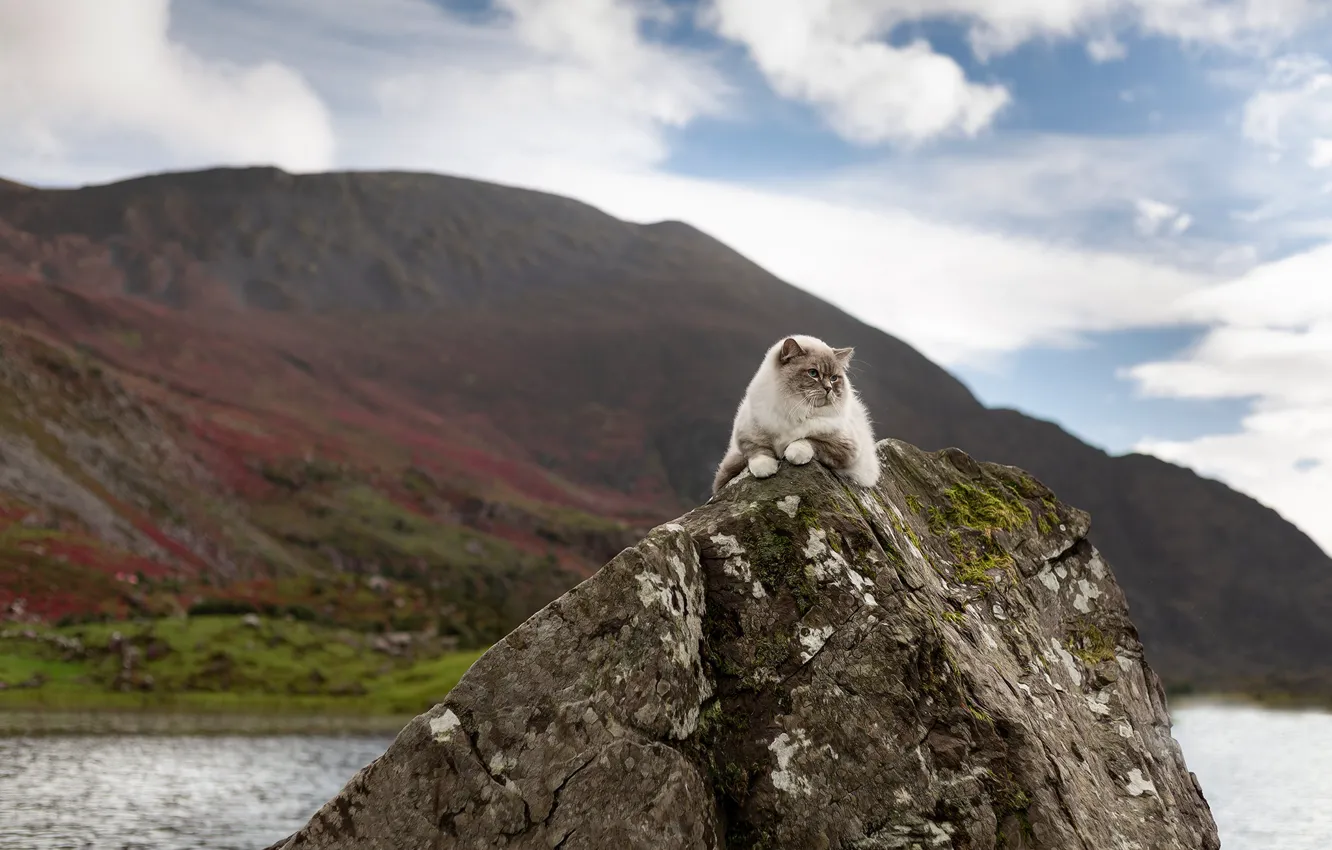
(732,465)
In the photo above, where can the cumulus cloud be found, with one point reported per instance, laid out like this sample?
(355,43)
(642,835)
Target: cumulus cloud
(1271,342)
(1293,111)
(870,91)
(578,82)
(839,55)
(1106,48)
(1157,217)
(76,74)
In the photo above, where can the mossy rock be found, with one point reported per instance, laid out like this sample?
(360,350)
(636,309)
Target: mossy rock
(800,663)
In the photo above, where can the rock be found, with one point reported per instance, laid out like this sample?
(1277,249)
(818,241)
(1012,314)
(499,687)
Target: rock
(252,620)
(393,643)
(942,662)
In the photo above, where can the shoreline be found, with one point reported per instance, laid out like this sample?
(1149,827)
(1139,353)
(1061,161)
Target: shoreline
(1267,702)
(192,720)
(27,722)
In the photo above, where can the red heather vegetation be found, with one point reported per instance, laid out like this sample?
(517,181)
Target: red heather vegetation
(171,466)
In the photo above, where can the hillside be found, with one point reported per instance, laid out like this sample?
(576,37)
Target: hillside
(400,374)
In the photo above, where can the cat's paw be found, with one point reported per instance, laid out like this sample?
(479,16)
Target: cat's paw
(762,466)
(800,452)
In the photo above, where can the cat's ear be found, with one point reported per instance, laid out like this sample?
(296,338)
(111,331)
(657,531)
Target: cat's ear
(790,348)
(844,355)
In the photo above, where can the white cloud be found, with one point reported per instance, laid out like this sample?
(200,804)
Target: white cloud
(1320,153)
(996,27)
(1083,191)
(868,90)
(1157,217)
(959,294)
(1271,342)
(837,54)
(76,75)
(578,82)
(418,87)
(1044,178)
(1249,24)
(1293,110)
(1106,48)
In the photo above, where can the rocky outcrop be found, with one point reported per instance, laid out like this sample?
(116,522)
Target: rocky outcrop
(941,662)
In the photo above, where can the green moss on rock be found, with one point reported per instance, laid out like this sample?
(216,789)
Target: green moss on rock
(1088,643)
(1012,805)
(980,509)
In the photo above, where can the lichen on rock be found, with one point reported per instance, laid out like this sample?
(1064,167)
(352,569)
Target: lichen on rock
(941,662)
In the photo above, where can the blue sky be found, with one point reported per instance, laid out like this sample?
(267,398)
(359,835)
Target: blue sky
(1115,214)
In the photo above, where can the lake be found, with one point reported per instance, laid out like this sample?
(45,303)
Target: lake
(1267,775)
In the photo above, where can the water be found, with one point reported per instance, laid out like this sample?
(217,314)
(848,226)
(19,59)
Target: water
(1266,774)
(118,792)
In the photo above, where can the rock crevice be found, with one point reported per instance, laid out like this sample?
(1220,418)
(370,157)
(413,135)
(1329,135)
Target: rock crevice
(941,662)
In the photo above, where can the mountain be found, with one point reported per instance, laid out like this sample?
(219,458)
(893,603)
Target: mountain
(364,352)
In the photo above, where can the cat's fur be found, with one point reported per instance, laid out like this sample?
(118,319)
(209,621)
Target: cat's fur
(788,412)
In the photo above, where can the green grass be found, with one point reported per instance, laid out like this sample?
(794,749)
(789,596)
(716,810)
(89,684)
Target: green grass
(219,664)
(490,585)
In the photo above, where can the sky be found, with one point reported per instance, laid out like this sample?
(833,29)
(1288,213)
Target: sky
(1113,214)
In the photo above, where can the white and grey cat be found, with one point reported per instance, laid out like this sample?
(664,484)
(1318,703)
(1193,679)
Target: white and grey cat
(800,406)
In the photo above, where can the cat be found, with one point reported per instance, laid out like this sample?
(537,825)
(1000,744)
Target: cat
(800,406)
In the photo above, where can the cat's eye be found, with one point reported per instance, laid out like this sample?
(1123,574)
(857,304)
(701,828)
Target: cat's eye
(813,373)
(835,378)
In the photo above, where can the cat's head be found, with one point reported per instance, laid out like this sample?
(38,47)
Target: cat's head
(813,372)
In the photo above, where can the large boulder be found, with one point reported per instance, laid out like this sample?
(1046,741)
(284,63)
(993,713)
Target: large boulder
(941,662)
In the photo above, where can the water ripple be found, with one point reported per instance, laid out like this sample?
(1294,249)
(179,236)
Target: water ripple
(159,793)
(1266,774)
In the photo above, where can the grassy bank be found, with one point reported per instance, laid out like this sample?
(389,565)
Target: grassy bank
(224,665)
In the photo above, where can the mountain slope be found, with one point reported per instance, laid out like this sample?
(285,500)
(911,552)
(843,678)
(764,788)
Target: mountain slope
(555,357)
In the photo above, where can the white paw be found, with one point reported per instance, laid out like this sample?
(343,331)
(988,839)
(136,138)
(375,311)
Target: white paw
(762,466)
(800,452)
